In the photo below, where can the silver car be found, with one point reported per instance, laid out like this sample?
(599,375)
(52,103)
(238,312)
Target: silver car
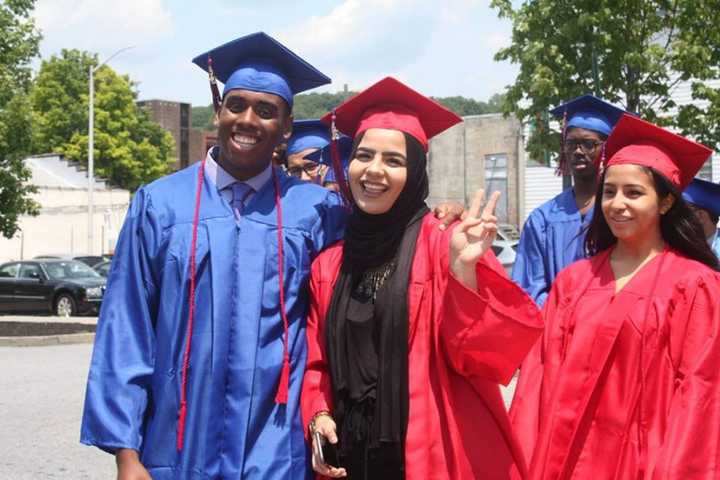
(505,246)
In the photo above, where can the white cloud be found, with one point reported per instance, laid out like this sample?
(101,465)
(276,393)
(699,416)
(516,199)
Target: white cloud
(359,41)
(440,47)
(459,59)
(497,40)
(99,25)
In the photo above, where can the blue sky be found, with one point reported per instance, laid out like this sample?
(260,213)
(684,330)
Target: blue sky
(439,47)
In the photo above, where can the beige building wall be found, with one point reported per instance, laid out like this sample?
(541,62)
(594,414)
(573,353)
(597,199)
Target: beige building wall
(62,226)
(461,159)
(197,145)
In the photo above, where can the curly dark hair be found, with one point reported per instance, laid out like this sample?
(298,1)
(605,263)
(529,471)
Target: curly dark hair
(679,226)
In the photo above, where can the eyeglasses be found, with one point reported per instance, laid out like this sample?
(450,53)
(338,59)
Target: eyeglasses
(310,168)
(588,145)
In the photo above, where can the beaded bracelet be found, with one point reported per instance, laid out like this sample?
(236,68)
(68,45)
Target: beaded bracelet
(316,416)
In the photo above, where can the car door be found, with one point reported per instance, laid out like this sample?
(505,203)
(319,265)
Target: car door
(31,289)
(8,275)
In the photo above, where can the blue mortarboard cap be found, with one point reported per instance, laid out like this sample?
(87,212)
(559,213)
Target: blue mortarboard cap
(324,155)
(704,194)
(308,134)
(259,63)
(589,112)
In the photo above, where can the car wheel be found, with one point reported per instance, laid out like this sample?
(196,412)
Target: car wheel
(65,306)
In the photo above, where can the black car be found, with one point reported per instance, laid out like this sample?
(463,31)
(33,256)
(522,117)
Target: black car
(103,268)
(62,287)
(89,260)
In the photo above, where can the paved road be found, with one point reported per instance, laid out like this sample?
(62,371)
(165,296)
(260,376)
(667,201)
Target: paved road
(41,395)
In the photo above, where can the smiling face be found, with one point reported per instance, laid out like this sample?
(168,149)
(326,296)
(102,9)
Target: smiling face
(582,149)
(250,126)
(631,205)
(378,170)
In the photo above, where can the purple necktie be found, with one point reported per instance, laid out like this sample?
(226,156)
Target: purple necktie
(240,193)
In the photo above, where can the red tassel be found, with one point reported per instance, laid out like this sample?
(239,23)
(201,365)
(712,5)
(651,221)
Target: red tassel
(337,163)
(181,426)
(214,91)
(191,312)
(599,161)
(282,392)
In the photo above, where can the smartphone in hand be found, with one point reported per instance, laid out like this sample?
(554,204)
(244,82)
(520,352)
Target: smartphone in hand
(328,451)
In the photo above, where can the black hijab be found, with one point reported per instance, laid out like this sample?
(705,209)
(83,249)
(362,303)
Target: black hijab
(371,241)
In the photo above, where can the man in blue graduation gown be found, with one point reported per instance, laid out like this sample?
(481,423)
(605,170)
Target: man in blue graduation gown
(704,198)
(553,235)
(175,401)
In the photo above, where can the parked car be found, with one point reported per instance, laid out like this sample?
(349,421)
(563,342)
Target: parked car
(103,268)
(89,260)
(505,246)
(62,287)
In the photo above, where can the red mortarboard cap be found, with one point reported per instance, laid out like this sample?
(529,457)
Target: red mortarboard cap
(393,105)
(635,141)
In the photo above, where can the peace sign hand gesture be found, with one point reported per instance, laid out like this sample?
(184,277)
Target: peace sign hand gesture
(473,237)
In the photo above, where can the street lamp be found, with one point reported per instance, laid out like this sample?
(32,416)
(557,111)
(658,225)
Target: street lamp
(91,145)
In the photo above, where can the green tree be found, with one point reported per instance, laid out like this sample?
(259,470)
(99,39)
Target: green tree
(19,41)
(464,106)
(315,105)
(202,118)
(129,148)
(632,52)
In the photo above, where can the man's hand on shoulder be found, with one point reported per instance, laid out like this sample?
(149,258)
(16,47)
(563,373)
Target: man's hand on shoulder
(449,212)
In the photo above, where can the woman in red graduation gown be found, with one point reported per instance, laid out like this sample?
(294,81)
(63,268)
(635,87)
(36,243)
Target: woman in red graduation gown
(625,383)
(411,328)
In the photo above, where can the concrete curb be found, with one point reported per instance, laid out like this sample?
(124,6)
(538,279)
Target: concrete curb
(49,340)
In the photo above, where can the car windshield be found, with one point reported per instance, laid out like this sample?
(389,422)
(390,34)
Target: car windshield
(90,260)
(68,270)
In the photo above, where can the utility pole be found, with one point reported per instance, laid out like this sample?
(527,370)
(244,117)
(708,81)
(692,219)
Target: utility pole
(91,147)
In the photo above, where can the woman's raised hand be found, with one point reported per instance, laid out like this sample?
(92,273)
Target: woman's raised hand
(473,237)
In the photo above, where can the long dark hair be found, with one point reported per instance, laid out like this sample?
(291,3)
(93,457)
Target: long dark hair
(679,226)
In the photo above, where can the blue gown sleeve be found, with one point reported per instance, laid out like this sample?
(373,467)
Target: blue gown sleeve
(529,270)
(330,226)
(123,357)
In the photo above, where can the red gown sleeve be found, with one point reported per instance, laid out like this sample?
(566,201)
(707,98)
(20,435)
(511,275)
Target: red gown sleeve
(487,333)
(316,389)
(525,408)
(690,448)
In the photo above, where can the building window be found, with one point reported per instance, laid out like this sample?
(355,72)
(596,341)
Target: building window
(496,179)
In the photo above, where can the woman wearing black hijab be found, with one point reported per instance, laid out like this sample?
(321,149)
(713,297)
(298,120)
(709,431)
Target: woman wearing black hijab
(411,328)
